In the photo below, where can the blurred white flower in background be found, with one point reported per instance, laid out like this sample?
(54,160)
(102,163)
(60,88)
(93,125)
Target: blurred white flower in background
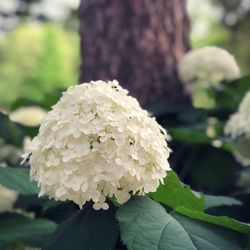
(239,123)
(8,6)
(7,199)
(244,180)
(28,116)
(238,127)
(208,66)
(54,9)
(97,142)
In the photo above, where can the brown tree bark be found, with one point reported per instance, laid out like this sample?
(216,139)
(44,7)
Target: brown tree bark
(137,42)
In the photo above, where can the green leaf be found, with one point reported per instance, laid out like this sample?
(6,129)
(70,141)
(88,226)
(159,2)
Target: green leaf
(59,211)
(173,194)
(163,108)
(223,221)
(87,229)
(10,131)
(146,225)
(233,91)
(216,201)
(17,179)
(16,227)
(206,236)
(208,166)
(189,135)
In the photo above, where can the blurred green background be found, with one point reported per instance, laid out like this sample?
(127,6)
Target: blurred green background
(39,47)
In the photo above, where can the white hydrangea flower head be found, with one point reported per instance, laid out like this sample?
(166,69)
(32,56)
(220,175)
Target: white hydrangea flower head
(97,142)
(28,116)
(239,123)
(208,66)
(7,199)
(238,127)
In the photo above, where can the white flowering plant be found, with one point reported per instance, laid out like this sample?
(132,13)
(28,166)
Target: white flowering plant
(208,66)
(238,129)
(97,176)
(97,142)
(210,75)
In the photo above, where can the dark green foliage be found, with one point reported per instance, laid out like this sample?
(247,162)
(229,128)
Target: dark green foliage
(17,179)
(210,165)
(173,194)
(10,132)
(233,91)
(16,227)
(145,224)
(217,220)
(217,201)
(87,229)
(208,236)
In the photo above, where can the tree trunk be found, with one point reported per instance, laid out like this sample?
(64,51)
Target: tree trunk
(137,42)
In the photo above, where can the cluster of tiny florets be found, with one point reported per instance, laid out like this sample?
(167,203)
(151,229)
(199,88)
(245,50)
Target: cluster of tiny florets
(238,127)
(97,142)
(208,66)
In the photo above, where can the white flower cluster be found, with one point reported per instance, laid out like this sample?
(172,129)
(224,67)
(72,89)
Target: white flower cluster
(238,127)
(208,66)
(98,142)
(239,123)
(7,199)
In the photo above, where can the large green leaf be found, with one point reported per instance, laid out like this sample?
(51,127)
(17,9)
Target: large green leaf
(212,201)
(173,194)
(206,236)
(188,135)
(15,227)
(17,179)
(58,211)
(217,220)
(218,200)
(238,212)
(87,229)
(145,225)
